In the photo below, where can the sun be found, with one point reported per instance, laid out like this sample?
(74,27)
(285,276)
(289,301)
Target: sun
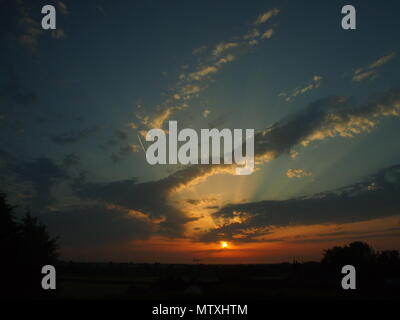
(224,244)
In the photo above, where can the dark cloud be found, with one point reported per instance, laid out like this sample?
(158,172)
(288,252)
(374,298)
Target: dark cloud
(200,201)
(376,197)
(150,198)
(193,201)
(43,174)
(70,160)
(95,225)
(124,151)
(329,117)
(120,134)
(73,137)
(212,207)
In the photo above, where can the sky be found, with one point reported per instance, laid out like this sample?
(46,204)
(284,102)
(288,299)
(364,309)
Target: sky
(76,104)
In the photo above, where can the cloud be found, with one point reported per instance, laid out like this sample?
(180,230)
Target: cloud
(43,174)
(211,60)
(157,120)
(124,151)
(95,225)
(363,75)
(71,160)
(206,113)
(264,17)
(31,32)
(313,84)
(370,71)
(121,134)
(223,47)
(205,202)
(199,50)
(199,75)
(23,25)
(132,125)
(354,203)
(150,198)
(267,34)
(189,90)
(61,7)
(73,137)
(325,118)
(381,61)
(252,34)
(298,173)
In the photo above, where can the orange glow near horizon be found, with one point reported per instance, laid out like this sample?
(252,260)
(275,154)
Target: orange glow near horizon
(305,243)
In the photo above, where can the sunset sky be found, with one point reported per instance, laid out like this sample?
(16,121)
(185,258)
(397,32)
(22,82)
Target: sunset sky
(325,104)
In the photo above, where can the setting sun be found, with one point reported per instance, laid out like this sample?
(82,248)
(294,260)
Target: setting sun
(224,244)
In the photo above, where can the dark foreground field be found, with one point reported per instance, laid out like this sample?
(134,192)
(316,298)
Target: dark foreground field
(196,282)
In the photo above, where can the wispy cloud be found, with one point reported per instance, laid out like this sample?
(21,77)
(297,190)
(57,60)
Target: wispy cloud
(298,173)
(29,29)
(314,83)
(95,225)
(211,60)
(267,34)
(206,113)
(371,71)
(264,17)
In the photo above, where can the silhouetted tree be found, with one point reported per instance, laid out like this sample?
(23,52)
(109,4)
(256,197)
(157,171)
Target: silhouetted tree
(37,246)
(356,253)
(372,268)
(9,243)
(25,248)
